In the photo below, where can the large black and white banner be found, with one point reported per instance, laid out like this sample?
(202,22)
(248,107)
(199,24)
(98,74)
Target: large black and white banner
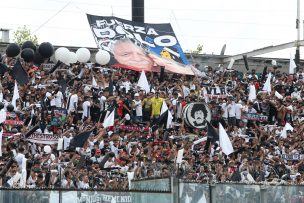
(41,138)
(139,46)
(91,197)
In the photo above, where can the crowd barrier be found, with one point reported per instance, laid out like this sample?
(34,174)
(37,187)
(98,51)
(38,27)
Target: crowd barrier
(165,190)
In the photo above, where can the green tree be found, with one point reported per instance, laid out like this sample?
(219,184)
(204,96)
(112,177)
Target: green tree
(198,49)
(23,34)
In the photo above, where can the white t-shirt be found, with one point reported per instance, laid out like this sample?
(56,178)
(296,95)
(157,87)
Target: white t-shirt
(238,111)
(73,100)
(59,99)
(231,109)
(186,91)
(103,103)
(86,109)
(225,110)
(138,107)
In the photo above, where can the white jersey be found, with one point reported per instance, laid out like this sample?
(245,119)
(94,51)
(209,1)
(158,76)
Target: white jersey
(58,99)
(86,109)
(72,103)
(138,108)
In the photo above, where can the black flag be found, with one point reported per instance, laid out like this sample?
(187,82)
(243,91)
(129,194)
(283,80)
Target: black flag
(212,134)
(80,139)
(111,87)
(55,67)
(31,131)
(19,74)
(162,119)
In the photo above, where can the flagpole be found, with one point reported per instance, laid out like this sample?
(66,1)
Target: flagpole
(297,55)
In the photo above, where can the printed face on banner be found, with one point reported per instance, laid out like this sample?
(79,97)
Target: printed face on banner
(197,115)
(139,46)
(126,52)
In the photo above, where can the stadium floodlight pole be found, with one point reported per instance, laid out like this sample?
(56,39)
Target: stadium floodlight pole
(138,11)
(297,55)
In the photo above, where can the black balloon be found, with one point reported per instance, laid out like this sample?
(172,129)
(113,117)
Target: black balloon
(38,59)
(27,54)
(28,44)
(46,49)
(12,50)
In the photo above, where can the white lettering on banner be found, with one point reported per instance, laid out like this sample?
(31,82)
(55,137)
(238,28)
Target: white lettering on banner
(215,91)
(102,23)
(141,29)
(104,198)
(104,33)
(43,138)
(104,30)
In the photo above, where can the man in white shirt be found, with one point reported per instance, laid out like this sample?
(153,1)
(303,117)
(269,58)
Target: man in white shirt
(20,156)
(137,108)
(50,98)
(231,112)
(86,108)
(224,107)
(84,183)
(238,112)
(58,97)
(72,102)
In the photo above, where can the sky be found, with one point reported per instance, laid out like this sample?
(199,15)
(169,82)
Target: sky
(243,25)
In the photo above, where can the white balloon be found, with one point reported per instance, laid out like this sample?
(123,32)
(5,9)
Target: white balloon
(62,54)
(47,149)
(73,57)
(83,55)
(102,57)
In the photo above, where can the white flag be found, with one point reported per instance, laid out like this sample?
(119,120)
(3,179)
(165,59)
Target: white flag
(187,200)
(164,108)
(169,120)
(267,85)
(94,83)
(60,144)
(2,115)
(292,65)
(180,155)
(130,177)
(278,95)
(203,199)
(252,93)
(225,142)
(22,183)
(230,64)
(170,117)
(1,133)
(199,141)
(16,95)
(109,121)
(284,131)
(143,82)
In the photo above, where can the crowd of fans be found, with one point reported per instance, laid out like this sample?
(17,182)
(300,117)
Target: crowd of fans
(138,142)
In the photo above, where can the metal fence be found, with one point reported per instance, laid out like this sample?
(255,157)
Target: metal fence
(168,190)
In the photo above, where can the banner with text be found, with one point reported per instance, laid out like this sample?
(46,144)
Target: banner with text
(41,138)
(214,92)
(139,46)
(254,117)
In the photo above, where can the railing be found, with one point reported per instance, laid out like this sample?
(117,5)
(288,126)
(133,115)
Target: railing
(165,190)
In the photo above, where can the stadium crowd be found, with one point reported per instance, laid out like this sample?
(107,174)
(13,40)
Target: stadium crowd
(138,143)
